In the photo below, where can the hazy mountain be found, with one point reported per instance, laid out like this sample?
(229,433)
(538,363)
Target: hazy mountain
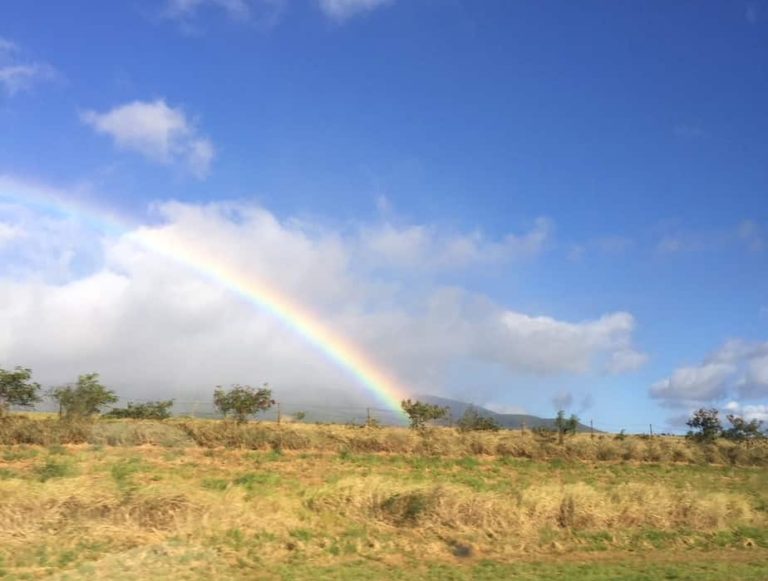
(457,409)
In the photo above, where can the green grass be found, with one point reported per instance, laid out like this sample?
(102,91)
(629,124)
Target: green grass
(54,468)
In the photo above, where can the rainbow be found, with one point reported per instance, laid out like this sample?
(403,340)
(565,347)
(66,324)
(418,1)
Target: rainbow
(301,321)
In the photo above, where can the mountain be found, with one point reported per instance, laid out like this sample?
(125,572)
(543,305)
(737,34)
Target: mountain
(511,421)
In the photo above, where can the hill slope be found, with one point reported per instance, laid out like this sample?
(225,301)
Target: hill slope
(457,409)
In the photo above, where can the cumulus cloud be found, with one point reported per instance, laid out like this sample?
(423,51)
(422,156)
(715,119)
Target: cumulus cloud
(341,10)
(160,133)
(737,369)
(152,324)
(18,74)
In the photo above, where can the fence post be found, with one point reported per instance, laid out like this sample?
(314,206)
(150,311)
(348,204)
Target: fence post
(279,414)
(651,427)
(591,430)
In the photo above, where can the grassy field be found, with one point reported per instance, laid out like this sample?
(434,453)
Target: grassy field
(208,500)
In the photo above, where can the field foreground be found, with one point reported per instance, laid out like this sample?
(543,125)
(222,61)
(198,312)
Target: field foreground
(187,508)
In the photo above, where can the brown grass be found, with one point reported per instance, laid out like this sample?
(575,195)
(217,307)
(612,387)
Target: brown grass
(172,508)
(443,442)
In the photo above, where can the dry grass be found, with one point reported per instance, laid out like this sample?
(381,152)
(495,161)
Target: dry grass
(205,499)
(525,512)
(443,442)
(91,510)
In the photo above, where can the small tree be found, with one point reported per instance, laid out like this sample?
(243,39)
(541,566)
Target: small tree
(743,431)
(151,410)
(420,413)
(705,424)
(17,388)
(565,425)
(85,398)
(474,421)
(241,401)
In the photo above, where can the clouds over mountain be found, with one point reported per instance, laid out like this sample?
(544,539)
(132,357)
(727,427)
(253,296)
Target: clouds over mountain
(149,321)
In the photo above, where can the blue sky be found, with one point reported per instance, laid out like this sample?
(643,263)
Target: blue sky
(602,166)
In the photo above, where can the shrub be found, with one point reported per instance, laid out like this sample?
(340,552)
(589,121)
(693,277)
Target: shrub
(151,410)
(242,401)
(419,413)
(473,421)
(16,388)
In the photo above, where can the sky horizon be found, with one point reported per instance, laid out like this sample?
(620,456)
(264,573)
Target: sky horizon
(527,206)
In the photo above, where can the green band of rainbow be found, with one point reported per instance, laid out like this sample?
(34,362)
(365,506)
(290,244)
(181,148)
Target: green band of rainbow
(256,292)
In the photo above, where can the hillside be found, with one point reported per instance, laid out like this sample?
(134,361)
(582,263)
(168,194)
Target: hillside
(511,421)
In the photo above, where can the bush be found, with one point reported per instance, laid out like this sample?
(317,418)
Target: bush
(419,413)
(241,401)
(151,410)
(473,421)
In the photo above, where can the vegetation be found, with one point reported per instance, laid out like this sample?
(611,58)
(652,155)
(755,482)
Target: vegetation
(473,421)
(241,401)
(742,430)
(565,425)
(220,499)
(17,389)
(705,425)
(151,410)
(193,512)
(420,413)
(84,399)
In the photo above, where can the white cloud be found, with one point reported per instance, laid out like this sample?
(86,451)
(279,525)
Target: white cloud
(501,408)
(425,247)
(341,10)
(8,233)
(748,412)
(239,9)
(18,74)
(603,245)
(264,13)
(160,133)
(747,234)
(149,323)
(739,368)
(701,383)
(544,344)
